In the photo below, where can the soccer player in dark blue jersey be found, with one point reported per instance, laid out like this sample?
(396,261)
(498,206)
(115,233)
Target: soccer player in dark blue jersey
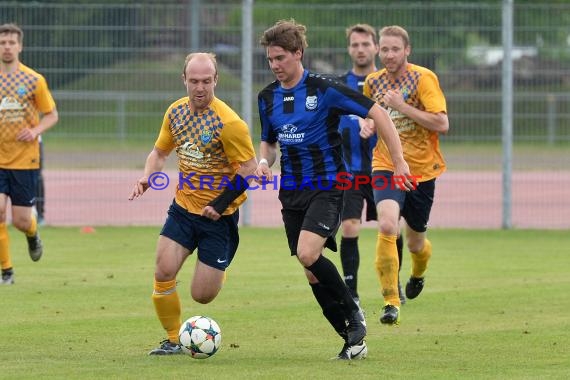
(301,111)
(362,49)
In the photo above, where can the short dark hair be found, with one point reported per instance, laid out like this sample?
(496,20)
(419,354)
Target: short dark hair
(361,28)
(287,34)
(12,28)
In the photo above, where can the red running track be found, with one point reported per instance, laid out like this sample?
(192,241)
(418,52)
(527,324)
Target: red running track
(463,200)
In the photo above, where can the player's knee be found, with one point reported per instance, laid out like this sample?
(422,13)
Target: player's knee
(21,224)
(350,227)
(203,297)
(162,275)
(415,245)
(387,226)
(306,257)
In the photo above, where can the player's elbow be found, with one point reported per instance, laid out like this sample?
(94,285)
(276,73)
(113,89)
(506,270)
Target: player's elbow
(443,124)
(55,115)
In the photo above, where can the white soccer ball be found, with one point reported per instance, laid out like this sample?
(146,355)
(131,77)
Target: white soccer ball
(200,337)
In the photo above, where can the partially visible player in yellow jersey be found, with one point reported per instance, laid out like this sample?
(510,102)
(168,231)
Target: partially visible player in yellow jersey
(417,106)
(27,109)
(216,160)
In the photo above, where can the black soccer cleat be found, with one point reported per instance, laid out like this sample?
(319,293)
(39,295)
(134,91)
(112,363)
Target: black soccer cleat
(356,328)
(356,352)
(390,315)
(167,348)
(7,277)
(414,287)
(35,247)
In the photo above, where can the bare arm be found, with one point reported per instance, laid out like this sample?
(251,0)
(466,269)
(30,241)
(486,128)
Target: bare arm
(268,152)
(247,169)
(437,122)
(387,131)
(47,121)
(154,163)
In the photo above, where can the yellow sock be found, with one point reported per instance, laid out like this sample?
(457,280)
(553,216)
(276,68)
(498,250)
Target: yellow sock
(33,227)
(5,260)
(420,260)
(167,306)
(387,267)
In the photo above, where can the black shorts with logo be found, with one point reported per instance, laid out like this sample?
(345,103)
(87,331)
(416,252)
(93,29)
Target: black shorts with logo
(317,211)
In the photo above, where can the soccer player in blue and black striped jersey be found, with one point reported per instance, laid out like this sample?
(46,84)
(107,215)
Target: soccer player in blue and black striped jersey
(362,49)
(301,111)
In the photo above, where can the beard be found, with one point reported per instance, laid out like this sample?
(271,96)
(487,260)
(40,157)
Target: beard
(393,67)
(7,59)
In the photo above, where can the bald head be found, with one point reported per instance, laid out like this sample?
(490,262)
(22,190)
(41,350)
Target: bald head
(201,60)
(200,77)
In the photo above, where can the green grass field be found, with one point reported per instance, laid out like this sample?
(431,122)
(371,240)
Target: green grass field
(495,305)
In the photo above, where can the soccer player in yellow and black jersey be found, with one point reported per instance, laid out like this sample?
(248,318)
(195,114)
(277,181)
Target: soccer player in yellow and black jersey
(412,96)
(216,161)
(27,109)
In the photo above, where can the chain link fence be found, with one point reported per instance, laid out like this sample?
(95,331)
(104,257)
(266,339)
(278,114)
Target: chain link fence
(115,68)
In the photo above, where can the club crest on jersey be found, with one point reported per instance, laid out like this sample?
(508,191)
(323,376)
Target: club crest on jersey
(206,136)
(311,103)
(405,92)
(21,90)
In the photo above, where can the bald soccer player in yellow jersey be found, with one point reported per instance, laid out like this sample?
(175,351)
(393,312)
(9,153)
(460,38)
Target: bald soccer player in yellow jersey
(216,161)
(416,104)
(27,109)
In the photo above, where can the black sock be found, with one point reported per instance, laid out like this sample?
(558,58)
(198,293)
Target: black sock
(350,259)
(400,247)
(327,274)
(8,271)
(331,309)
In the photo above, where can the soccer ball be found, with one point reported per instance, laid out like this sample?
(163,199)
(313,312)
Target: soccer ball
(200,337)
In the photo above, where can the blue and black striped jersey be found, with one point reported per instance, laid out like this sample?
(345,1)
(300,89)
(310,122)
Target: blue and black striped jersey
(357,151)
(305,121)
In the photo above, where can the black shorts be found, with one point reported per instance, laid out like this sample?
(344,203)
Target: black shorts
(217,241)
(20,185)
(353,202)
(415,205)
(317,211)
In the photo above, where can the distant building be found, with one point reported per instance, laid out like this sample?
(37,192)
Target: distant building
(492,55)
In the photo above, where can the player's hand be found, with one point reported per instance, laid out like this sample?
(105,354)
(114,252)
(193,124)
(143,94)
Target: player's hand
(393,99)
(26,134)
(403,177)
(139,189)
(367,128)
(263,173)
(210,213)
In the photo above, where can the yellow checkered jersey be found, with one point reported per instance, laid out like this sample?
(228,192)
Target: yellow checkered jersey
(25,95)
(209,146)
(420,88)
